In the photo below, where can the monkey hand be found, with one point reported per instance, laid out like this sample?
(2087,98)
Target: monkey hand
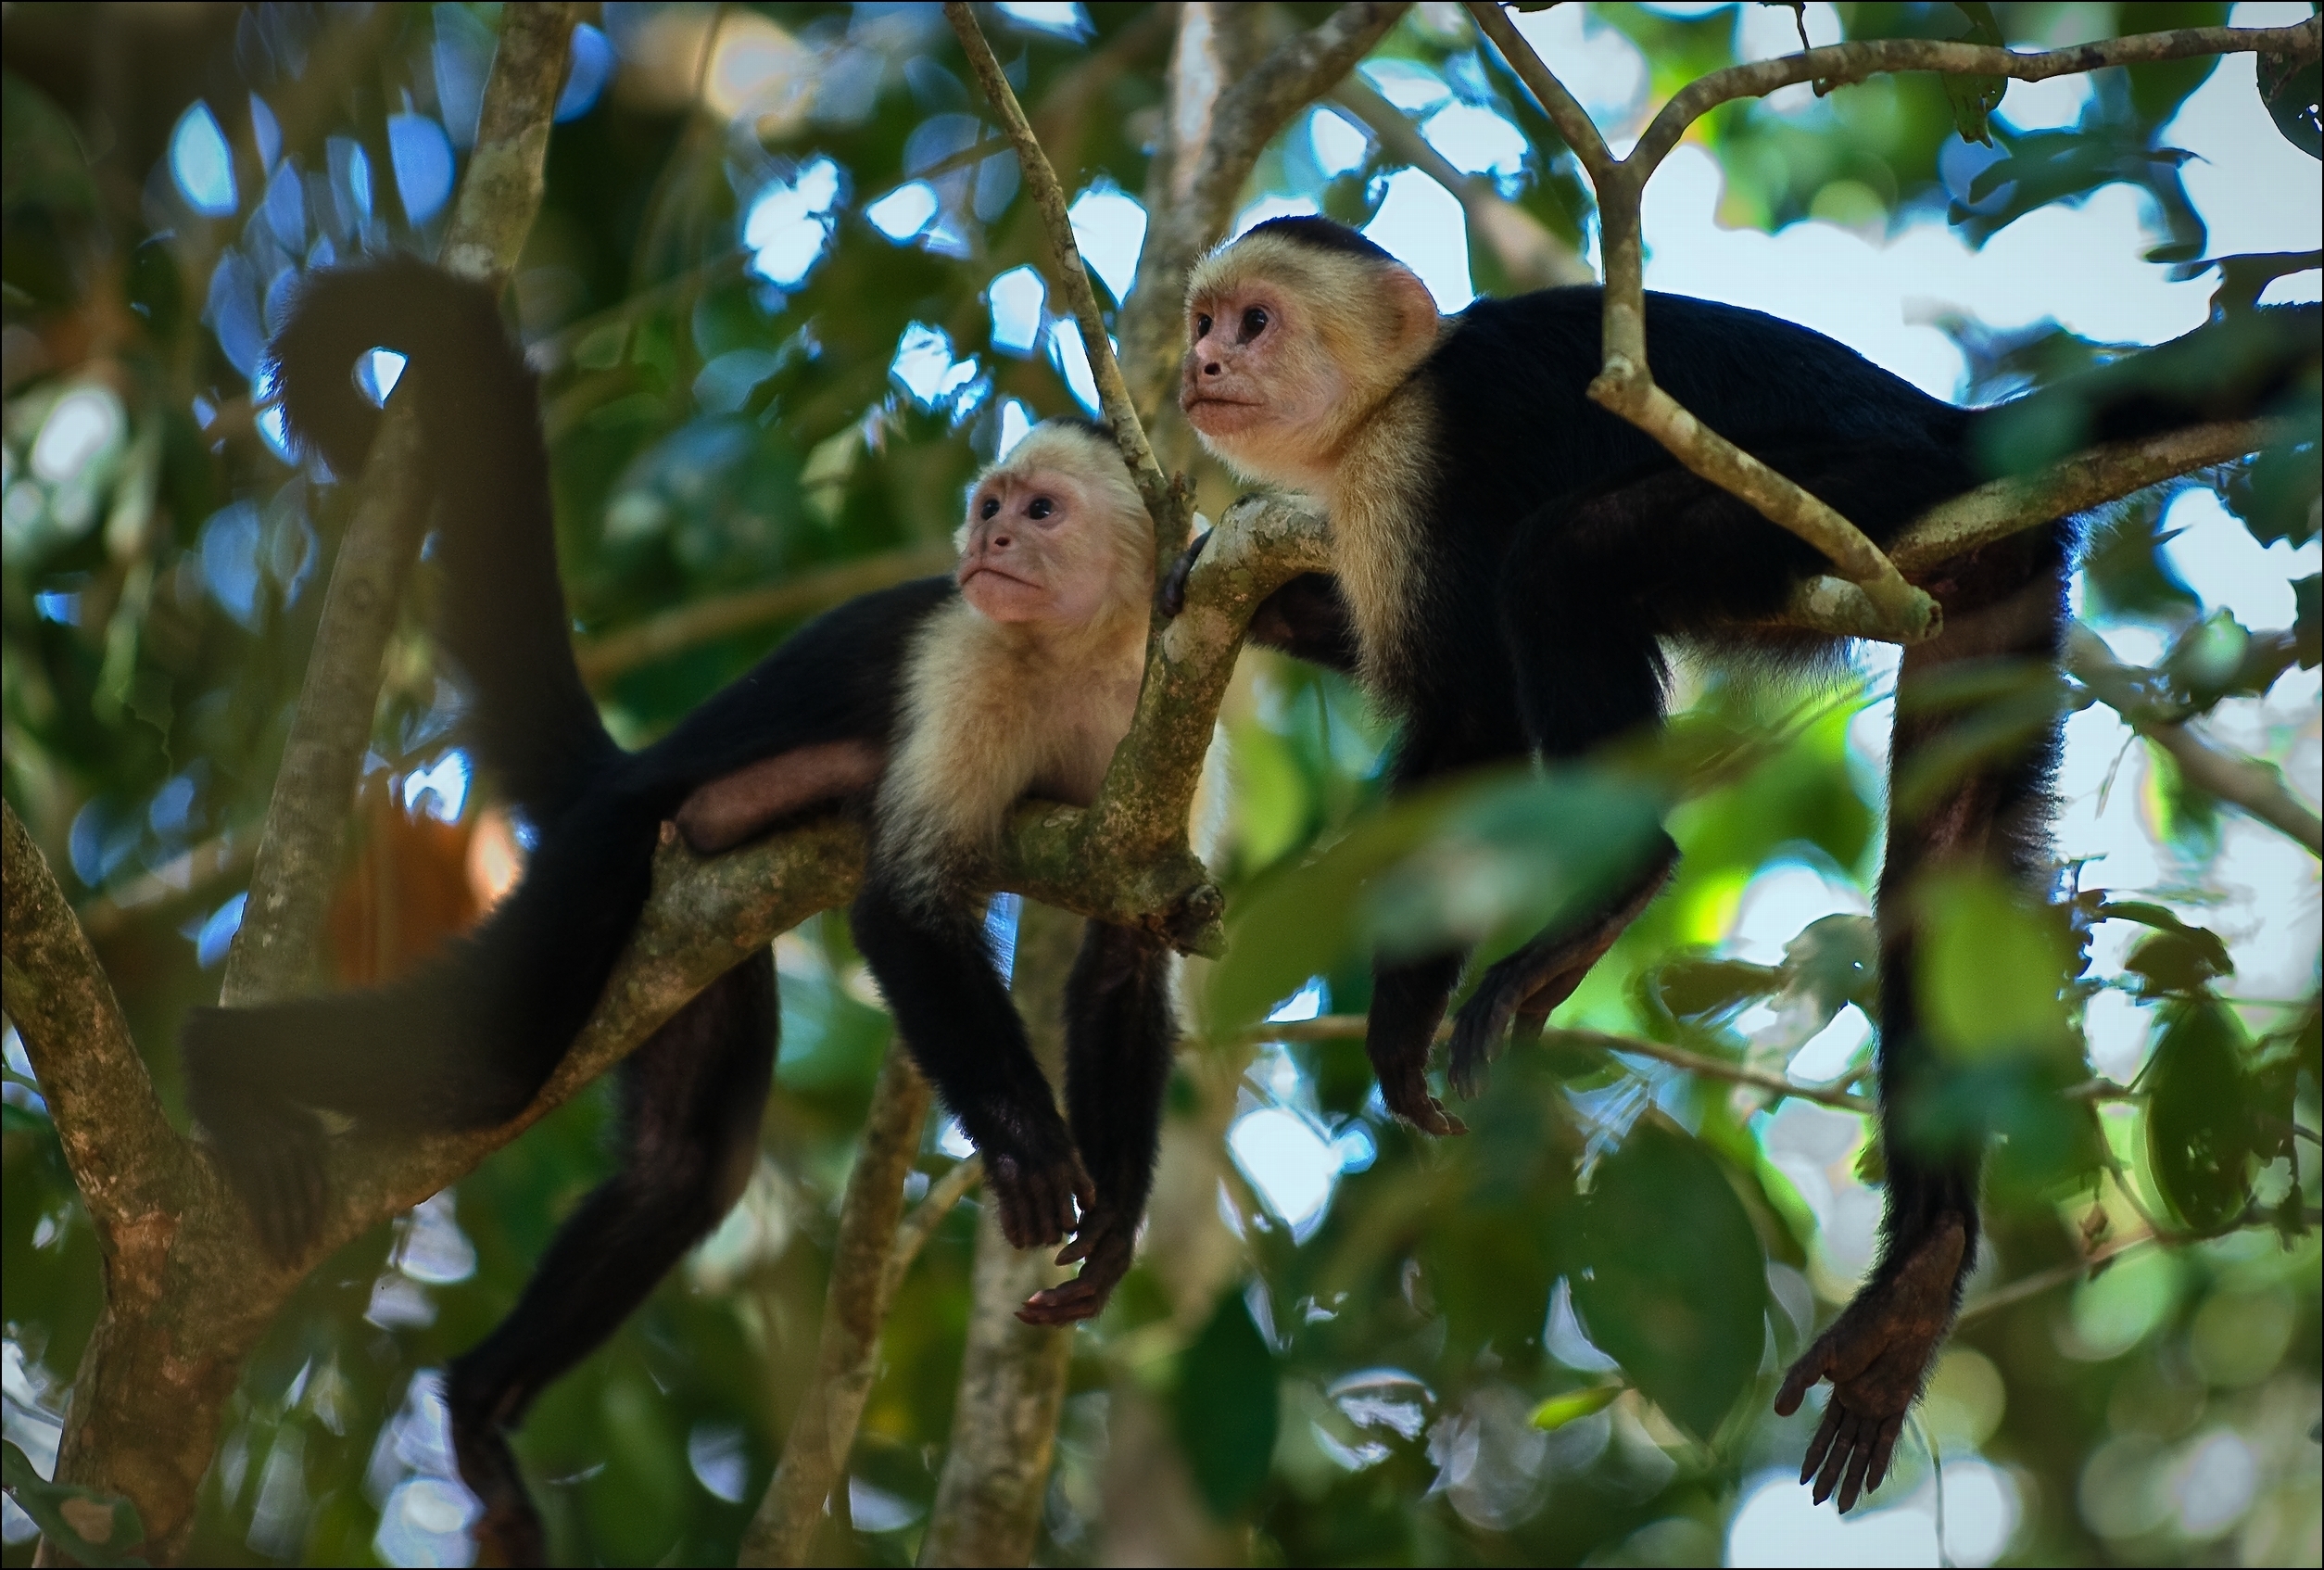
(1408,1096)
(1174,582)
(1876,1354)
(1036,1196)
(1102,1245)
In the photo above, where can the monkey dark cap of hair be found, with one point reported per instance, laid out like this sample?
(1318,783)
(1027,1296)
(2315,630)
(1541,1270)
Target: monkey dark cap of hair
(1508,557)
(927,709)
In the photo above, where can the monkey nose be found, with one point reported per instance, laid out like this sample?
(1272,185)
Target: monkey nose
(1213,369)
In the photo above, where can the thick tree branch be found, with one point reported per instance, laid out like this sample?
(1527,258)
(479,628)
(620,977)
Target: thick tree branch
(1012,1374)
(130,1164)
(2257,787)
(188,1290)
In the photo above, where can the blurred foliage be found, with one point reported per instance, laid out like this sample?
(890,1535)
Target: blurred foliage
(762,353)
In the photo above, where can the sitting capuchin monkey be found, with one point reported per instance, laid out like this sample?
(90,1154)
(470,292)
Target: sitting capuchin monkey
(935,705)
(1508,555)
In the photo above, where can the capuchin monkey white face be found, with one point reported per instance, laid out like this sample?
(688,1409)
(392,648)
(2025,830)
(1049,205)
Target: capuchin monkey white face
(1055,533)
(1292,344)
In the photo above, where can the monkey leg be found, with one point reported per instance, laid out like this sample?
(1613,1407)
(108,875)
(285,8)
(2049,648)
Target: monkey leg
(1121,1032)
(934,966)
(740,806)
(692,1100)
(1527,985)
(1408,1004)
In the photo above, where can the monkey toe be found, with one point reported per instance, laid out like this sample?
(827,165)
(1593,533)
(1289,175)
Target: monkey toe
(1408,1099)
(1105,1246)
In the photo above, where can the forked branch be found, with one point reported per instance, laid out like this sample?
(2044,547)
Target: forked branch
(1883,603)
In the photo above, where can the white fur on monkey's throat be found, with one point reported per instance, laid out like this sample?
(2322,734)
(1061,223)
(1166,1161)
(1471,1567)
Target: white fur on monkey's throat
(996,710)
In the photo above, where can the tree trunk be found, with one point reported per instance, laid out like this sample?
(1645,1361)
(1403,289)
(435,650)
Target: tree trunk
(1013,1378)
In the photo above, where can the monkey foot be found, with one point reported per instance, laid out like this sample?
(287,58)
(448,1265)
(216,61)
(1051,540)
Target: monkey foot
(509,1531)
(1037,1197)
(1102,1245)
(1524,988)
(1876,1354)
(1407,1095)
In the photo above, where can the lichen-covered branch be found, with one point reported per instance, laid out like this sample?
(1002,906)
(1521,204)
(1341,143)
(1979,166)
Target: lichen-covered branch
(2000,508)
(129,1163)
(2253,787)
(305,819)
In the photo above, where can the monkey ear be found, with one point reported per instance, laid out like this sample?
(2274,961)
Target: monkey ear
(1413,310)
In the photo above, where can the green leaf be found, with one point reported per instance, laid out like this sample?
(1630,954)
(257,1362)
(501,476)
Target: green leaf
(1695,988)
(2293,91)
(2199,1134)
(1227,1407)
(2308,630)
(71,1518)
(1974,97)
(1495,855)
(2180,958)
(1671,1280)
(1993,971)
(1574,1405)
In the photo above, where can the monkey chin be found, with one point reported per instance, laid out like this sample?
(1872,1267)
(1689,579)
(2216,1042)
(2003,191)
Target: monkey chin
(998,596)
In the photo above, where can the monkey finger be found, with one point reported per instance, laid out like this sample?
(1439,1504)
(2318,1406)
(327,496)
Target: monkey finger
(1826,1433)
(1799,1380)
(1852,1481)
(1836,1458)
(1882,1451)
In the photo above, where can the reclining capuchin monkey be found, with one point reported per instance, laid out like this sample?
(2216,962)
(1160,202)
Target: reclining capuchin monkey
(937,704)
(1507,556)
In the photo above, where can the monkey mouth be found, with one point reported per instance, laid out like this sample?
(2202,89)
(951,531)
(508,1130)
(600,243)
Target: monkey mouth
(1211,400)
(987,570)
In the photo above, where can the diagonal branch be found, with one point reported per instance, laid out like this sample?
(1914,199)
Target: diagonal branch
(305,819)
(1170,508)
(129,1165)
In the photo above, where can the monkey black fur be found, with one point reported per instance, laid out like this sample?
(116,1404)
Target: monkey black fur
(1509,555)
(468,1040)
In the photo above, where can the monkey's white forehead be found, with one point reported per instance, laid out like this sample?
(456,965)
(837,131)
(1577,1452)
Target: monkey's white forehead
(1307,269)
(1073,452)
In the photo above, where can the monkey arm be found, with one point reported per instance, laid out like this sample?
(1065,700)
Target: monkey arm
(935,970)
(1121,1032)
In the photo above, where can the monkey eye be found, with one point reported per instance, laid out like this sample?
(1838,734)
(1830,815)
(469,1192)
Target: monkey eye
(1254,322)
(1202,326)
(1041,508)
(990,509)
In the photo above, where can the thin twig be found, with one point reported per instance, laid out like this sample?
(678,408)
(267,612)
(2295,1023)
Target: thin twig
(1351,1027)
(2041,1281)
(915,1230)
(1528,252)
(706,621)
(1167,506)
(2257,787)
